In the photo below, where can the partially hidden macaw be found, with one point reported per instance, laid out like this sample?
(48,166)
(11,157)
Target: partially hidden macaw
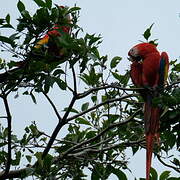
(47,42)
(50,36)
(149,70)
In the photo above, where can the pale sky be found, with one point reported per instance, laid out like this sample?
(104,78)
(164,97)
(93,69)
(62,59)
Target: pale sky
(121,24)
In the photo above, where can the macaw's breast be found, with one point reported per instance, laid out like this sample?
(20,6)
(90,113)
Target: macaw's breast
(150,70)
(136,73)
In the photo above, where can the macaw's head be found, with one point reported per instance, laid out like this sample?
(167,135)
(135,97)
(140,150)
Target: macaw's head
(67,15)
(140,51)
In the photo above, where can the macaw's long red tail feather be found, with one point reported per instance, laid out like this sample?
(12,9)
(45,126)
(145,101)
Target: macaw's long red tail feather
(151,117)
(149,150)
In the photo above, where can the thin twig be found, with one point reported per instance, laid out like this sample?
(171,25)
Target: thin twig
(59,141)
(74,79)
(53,106)
(94,145)
(172,84)
(3,117)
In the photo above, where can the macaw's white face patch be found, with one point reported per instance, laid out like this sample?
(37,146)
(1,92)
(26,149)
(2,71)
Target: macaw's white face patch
(133,52)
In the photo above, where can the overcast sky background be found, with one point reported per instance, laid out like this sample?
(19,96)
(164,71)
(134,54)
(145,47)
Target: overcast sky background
(121,24)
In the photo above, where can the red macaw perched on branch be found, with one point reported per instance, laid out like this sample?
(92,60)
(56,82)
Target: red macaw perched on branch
(48,44)
(149,70)
(55,32)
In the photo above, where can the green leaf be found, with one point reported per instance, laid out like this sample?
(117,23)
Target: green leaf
(73,9)
(123,79)
(164,175)
(48,83)
(29,158)
(7,26)
(7,40)
(72,110)
(85,106)
(47,162)
(90,134)
(61,83)
(147,33)
(16,161)
(153,174)
(49,4)
(119,174)
(26,14)
(58,72)
(135,149)
(20,6)
(117,76)
(14,36)
(8,19)
(39,158)
(34,130)
(95,52)
(115,61)
(33,98)
(83,121)
(27,172)
(40,3)
(176,161)
(94,98)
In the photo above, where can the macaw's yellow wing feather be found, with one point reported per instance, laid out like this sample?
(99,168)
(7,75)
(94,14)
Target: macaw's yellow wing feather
(42,42)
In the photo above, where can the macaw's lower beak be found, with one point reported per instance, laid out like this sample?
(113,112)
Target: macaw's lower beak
(130,58)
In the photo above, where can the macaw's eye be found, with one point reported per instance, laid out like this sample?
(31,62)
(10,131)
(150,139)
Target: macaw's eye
(135,58)
(138,58)
(131,52)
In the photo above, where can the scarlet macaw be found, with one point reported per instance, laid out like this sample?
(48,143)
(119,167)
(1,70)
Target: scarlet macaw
(48,39)
(46,43)
(149,69)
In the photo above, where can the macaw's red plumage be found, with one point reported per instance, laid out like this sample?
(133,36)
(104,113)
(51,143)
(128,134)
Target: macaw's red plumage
(149,70)
(48,49)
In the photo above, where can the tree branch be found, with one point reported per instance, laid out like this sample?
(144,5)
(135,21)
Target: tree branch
(9,119)
(113,85)
(92,150)
(167,165)
(58,127)
(101,133)
(99,105)
(52,139)
(15,173)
